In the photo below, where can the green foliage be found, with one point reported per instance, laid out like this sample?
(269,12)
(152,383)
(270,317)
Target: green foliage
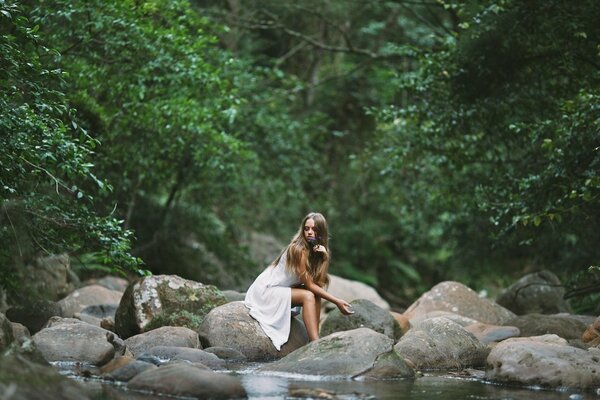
(47,179)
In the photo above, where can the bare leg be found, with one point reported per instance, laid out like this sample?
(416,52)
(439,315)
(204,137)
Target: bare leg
(306,299)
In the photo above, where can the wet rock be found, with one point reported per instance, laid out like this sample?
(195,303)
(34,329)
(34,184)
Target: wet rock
(350,354)
(170,353)
(125,368)
(350,290)
(165,336)
(226,353)
(366,315)
(541,324)
(487,333)
(68,339)
(441,344)
(165,300)
(231,326)
(6,332)
(181,379)
(540,293)
(88,296)
(459,299)
(545,360)
(34,314)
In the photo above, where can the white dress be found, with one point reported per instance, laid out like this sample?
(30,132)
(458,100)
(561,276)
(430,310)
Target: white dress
(269,299)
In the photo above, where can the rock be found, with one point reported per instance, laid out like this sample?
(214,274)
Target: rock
(459,299)
(48,278)
(110,282)
(357,353)
(366,315)
(125,368)
(353,290)
(182,379)
(545,361)
(486,333)
(34,314)
(402,321)
(541,324)
(591,336)
(20,331)
(170,353)
(24,379)
(441,344)
(231,326)
(459,319)
(88,296)
(232,295)
(165,300)
(540,292)
(6,332)
(68,339)
(226,353)
(165,336)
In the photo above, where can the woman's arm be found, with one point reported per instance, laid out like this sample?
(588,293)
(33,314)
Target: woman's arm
(306,279)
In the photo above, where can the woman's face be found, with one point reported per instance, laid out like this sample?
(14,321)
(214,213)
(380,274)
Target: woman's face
(309,229)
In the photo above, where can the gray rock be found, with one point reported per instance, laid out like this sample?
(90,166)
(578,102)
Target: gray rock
(88,296)
(48,278)
(459,319)
(357,353)
(72,340)
(181,379)
(110,282)
(232,295)
(546,361)
(6,332)
(170,353)
(540,293)
(541,324)
(177,336)
(366,315)
(459,299)
(441,344)
(226,353)
(165,300)
(231,326)
(350,290)
(34,314)
(20,331)
(492,333)
(128,371)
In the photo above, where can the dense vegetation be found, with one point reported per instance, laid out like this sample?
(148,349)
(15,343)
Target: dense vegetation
(443,140)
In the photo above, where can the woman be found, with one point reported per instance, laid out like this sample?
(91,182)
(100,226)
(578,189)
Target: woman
(296,278)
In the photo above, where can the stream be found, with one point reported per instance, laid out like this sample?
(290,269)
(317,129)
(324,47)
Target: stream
(273,386)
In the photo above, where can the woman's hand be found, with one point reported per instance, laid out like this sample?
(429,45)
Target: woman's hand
(345,307)
(320,249)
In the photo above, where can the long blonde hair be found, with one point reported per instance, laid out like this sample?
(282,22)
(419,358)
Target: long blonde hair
(317,263)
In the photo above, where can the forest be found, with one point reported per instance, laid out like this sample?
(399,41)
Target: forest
(442,139)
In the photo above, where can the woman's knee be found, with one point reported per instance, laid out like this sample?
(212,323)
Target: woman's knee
(308,297)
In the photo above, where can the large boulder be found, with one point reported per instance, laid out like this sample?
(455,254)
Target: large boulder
(349,354)
(540,292)
(6,332)
(87,296)
(459,299)
(47,278)
(540,324)
(231,325)
(35,314)
(192,355)
(186,380)
(165,300)
(441,344)
(353,290)
(366,314)
(545,361)
(487,333)
(177,336)
(68,339)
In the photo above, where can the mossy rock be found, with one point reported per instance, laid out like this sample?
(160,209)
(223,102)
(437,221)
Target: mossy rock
(165,300)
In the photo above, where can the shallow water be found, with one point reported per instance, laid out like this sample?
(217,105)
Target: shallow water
(442,386)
